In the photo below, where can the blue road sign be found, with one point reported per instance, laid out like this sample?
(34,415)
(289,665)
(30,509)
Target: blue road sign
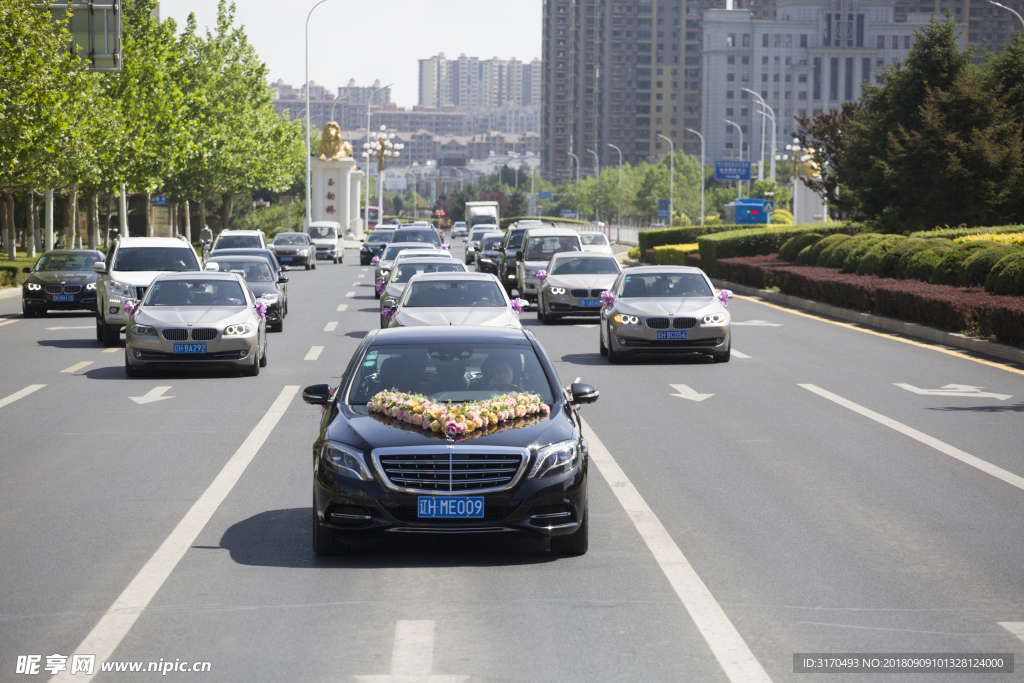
(732,170)
(662,209)
(544,195)
(159,201)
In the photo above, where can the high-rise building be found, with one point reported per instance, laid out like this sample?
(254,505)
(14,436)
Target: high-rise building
(622,73)
(472,84)
(360,94)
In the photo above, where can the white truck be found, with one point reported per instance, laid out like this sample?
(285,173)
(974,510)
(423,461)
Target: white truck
(483,213)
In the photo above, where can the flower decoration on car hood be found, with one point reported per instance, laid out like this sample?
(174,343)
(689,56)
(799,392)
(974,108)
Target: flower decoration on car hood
(261,309)
(517,305)
(375,260)
(608,298)
(130,308)
(518,423)
(724,295)
(460,418)
(542,275)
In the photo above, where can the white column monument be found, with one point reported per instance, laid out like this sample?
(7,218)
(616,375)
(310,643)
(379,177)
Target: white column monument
(333,193)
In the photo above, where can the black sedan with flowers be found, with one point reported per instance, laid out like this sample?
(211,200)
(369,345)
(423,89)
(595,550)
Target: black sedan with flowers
(450,430)
(61,280)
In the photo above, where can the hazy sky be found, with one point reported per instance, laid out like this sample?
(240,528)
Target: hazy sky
(380,39)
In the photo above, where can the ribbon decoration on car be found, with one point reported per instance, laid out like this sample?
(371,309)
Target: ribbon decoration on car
(375,260)
(724,295)
(261,309)
(379,287)
(465,239)
(542,275)
(608,298)
(130,308)
(387,312)
(445,247)
(517,305)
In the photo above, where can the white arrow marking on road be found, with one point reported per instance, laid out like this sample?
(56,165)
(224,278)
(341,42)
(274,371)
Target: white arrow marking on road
(739,354)
(342,307)
(1014,627)
(955,390)
(330,327)
(757,323)
(152,396)
(20,394)
(688,393)
(78,327)
(412,660)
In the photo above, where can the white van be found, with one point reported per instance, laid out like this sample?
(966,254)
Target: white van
(326,235)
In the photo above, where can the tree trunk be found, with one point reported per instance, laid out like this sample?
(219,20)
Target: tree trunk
(12,247)
(105,230)
(174,218)
(31,224)
(75,238)
(188,224)
(202,212)
(6,228)
(94,219)
(149,215)
(225,209)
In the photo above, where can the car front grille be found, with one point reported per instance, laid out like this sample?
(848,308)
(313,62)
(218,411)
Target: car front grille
(204,334)
(175,334)
(442,469)
(596,292)
(579,293)
(65,289)
(657,323)
(684,323)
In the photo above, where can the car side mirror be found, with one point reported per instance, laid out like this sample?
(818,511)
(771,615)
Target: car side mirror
(213,267)
(317,394)
(519,255)
(583,393)
(286,268)
(26,270)
(283,279)
(100,267)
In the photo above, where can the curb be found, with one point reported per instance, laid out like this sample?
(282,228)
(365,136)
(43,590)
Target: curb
(960,341)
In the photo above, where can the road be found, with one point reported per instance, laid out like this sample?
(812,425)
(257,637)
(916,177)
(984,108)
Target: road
(806,503)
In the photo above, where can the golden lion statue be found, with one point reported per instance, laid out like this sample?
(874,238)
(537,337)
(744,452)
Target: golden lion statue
(331,144)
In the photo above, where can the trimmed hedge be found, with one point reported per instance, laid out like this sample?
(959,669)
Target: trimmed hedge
(951,269)
(674,254)
(978,267)
(953,233)
(1007,276)
(757,241)
(903,268)
(649,239)
(889,266)
(794,245)
(838,255)
(947,308)
(871,263)
(821,251)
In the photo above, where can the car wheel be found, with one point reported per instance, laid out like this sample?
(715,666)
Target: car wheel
(278,326)
(254,369)
(603,349)
(325,541)
(111,334)
(376,295)
(263,358)
(128,369)
(307,265)
(99,329)
(335,260)
(722,357)
(575,544)
(613,357)
(27,313)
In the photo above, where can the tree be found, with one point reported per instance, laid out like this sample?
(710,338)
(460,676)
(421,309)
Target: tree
(780,193)
(824,134)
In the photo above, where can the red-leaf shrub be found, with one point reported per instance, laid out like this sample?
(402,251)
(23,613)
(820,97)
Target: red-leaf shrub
(954,309)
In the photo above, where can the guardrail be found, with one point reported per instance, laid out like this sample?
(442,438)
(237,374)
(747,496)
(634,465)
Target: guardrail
(616,234)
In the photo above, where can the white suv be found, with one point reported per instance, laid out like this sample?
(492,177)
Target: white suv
(240,239)
(131,265)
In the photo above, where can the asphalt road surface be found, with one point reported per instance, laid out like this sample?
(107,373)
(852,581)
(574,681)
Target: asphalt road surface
(830,490)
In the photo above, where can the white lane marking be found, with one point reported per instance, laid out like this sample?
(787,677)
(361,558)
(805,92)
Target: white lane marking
(364,270)
(586,327)
(688,393)
(152,396)
(349,295)
(114,625)
(412,658)
(360,276)
(78,366)
(314,353)
(739,354)
(112,350)
(20,394)
(941,446)
(1014,627)
(342,307)
(733,655)
(757,323)
(76,327)
(9,322)
(330,327)
(954,390)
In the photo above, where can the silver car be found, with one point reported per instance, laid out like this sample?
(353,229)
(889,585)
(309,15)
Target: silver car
(196,319)
(473,240)
(574,284)
(387,259)
(404,270)
(454,299)
(664,309)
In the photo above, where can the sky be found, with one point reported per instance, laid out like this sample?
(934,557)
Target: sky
(370,40)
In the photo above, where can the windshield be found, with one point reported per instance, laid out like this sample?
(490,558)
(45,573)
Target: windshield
(543,248)
(380,236)
(239,242)
(593,238)
(665,285)
(177,259)
(490,242)
(477,234)
(317,232)
(450,372)
(196,293)
(585,266)
(515,240)
(392,252)
(455,294)
(290,238)
(73,262)
(252,271)
(428,236)
(407,270)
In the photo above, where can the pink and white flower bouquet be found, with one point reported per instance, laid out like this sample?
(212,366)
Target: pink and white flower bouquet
(460,418)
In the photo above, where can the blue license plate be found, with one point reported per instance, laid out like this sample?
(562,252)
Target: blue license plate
(63,297)
(672,334)
(190,348)
(467,507)
(285,258)
(590,302)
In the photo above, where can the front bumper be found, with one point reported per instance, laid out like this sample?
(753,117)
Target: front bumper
(235,351)
(38,300)
(567,304)
(642,339)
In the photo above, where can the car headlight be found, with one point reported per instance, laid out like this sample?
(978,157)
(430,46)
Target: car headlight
(345,460)
(557,458)
(529,273)
(271,297)
(486,260)
(33,287)
(715,318)
(384,273)
(626,319)
(90,287)
(143,330)
(239,329)
(557,290)
(120,289)
(303,252)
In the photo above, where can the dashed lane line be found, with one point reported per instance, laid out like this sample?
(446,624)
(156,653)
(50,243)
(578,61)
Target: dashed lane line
(78,366)
(342,307)
(114,349)
(941,446)
(9,322)
(1014,627)
(360,276)
(330,327)
(20,394)
(851,326)
(114,625)
(732,652)
(739,354)
(314,353)
(350,295)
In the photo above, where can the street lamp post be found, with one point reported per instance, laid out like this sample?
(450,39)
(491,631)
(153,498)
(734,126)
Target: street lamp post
(701,173)
(381,147)
(770,113)
(671,179)
(597,177)
(577,160)
(993,2)
(309,207)
(340,99)
(739,183)
(369,101)
(618,205)
(760,174)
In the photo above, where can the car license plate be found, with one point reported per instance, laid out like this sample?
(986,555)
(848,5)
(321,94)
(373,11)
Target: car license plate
(469,507)
(672,334)
(590,302)
(190,348)
(63,297)
(286,258)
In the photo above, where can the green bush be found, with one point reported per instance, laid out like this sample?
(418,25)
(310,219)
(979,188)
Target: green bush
(922,245)
(951,269)
(756,241)
(922,263)
(860,250)
(794,245)
(838,255)
(962,231)
(822,250)
(1007,276)
(649,239)
(871,262)
(889,264)
(980,263)
(633,253)
(673,254)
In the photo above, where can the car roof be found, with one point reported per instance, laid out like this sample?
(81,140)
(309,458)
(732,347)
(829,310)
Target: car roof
(326,224)
(580,254)
(552,232)
(427,259)
(236,258)
(405,244)
(290,232)
(647,270)
(241,232)
(153,242)
(439,334)
(415,229)
(205,274)
(72,251)
(468,275)
(240,251)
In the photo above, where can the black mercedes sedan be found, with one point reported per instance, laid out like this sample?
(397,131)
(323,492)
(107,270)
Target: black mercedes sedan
(374,245)
(61,280)
(449,430)
(262,281)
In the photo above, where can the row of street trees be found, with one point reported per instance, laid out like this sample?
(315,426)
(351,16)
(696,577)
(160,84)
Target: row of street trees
(189,117)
